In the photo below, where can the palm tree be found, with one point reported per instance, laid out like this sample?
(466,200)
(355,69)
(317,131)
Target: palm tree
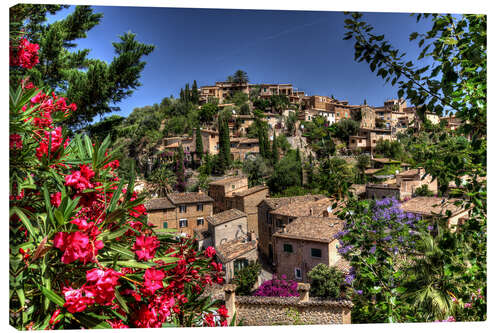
(428,287)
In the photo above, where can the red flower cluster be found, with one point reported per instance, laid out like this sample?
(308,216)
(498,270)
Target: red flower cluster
(15,142)
(145,247)
(26,55)
(209,252)
(80,180)
(55,139)
(75,301)
(101,284)
(77,246)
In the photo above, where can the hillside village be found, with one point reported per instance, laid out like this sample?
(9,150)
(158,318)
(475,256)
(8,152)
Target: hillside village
(226,180)
(245,202)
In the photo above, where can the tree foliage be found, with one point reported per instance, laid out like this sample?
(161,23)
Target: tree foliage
(92,84)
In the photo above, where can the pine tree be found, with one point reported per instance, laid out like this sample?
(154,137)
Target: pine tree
(92,84)
(275,154)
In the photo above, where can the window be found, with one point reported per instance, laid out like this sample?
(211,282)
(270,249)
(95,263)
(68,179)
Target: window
(288,248)
(298,273)
(232,186)
(316,253)
(200,221)
(199,207)
(240,264)
(182,208)
(165,225)
(183,223)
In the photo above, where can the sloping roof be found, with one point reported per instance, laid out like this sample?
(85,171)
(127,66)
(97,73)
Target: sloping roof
(384,160)
(275,203)
(371,171)
(158,203)
(320,229)
(234,248)
(431,205)
(189,197)
(410,173)
(309,208)
(225,216)
(358,188)
(227,180)
(249,191)
(249,140)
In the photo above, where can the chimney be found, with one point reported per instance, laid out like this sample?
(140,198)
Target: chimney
(303,289)
(229,298)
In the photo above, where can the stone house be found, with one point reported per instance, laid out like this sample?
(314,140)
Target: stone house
(403,186)
(305,243)
(274,213)
(432,206)
(226,226)
(242,147)
(185,212)
(236,254)
(218,190)
(247,200)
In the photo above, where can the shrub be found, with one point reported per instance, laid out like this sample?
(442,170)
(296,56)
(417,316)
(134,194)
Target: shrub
(82,254)
(277,288)
(326,281)
(245,278)
(423,191)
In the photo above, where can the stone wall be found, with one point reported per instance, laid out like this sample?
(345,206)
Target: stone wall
(302,310)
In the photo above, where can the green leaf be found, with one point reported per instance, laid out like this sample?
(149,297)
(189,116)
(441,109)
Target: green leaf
(52,296)
(121,301)
(122,250)
(16,210)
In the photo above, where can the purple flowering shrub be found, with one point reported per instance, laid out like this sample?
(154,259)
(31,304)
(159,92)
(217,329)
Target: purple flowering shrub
(376,239)
(277,288)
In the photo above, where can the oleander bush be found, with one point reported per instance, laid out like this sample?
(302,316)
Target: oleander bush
(82,254)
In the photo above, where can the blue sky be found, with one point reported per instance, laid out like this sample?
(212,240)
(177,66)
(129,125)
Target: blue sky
(305,48)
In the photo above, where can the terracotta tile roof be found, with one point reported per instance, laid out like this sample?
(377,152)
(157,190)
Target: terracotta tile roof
(189,197)
(384,160)
(249,191)
(275,203)
(247,140)
(173,145)
(358,188)
(321,229)
(225,216)
(310,208)
(431,205)
(410,173)
(234,248)
(371,171)
(159,203)
(226,180)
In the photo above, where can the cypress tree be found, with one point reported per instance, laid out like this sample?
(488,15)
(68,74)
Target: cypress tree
(180,170)
(275,153)
(224,156)
(194,93)
(227,143)
(187,93)
(199,144)
(301,172)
